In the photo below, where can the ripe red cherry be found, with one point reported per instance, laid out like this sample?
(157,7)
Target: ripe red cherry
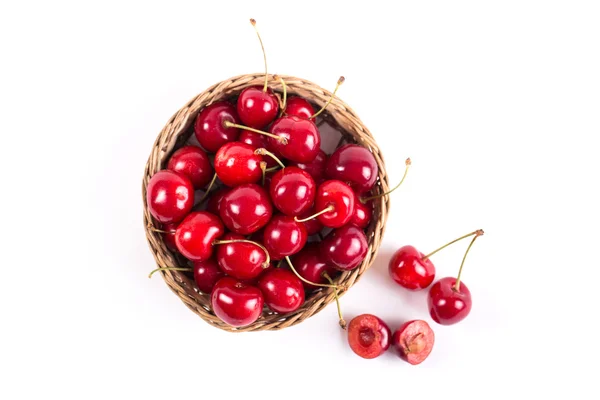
(246,209)
(309,263)
(292,191)
(236,164)
(410,269)
(355,164)
(257,141)
(316,168)
(196,233)
(339,199)
(312,225)
(210,128)
(413,341)
(302,135)
(169,235)
(170,196)
(283,291)
(299,107)
(284,236)
(192,161)
(206,274)
(368,336)
(362,214)
(257,108)
(241,260)
(447,305)
(345,248)
(236,303)
(214,202)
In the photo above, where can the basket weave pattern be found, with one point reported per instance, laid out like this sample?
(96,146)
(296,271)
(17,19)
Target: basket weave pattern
(177,131)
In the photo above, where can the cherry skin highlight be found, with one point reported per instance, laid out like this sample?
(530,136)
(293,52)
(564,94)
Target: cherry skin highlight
(240,260)
(192,162)
(196,233)
(292,191)
(316,168)
(345,248)
(408,268)
(170,196)
(282,290)
(246,209)
(236,164)
(302,135)
(310,264)
(210,129)
(368,336)
(355,164)
(284,236)
(206,274)
(236,303)
(447,306)
(413,341)
(299,107)
(340,197)
(256,107)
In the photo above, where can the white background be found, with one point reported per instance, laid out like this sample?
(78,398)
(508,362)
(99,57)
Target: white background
(497,104)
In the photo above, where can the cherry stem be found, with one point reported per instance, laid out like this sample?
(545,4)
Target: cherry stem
(229,124)
(408,163)
(478,232)
(337,301)
(339,83)
(264,152)
(323,211)
(263,168)
(457,283)
(267,261)
(287,258)
(283,103)
(253,22)
(153,229)
(168,269)
(210,185)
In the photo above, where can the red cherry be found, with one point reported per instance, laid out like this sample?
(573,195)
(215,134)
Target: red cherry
(237,164)
(345,248)
(196,233)
(355,164)
(257,141)
(410,269)
(292,191)
(338,199)
(312,225)
(169,235)
(362,214)
(413,341)
(236,303)
(214,202)
(368,336)
(170,196)
(299,107)
(246,209)
(447,305)
(283,291)
(309,263)
(302,137)
(316,168)
(284,236)
(192,162)
(257,108)
(210,128)
(206,274)
(241,260)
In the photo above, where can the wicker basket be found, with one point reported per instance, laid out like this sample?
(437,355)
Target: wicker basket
(179,129)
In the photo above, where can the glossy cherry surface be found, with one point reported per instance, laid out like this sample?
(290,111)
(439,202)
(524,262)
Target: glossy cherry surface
(169,236)
(257,141)
(413,341)
(448,306)
(214,201)
(192,162)
(311,265)
(368,336)
(408,269)
(246,209)
(340,197)
(316,168)
(292,191)
(196,233)
(236,303)
(363,213)
(210,128)
(170,196)
(303,139)
(345,248)
(236,164)
(284,236)
(256,107)
(206,274)
(313,225)
(355,164)
(240,260)
(299,107)
(282,290)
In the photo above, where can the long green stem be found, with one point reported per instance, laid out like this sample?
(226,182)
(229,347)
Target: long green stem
(323,211)
(253,22)
(457,283)
(263,248)
(337,301)
(265,152)
(287,258)
(168,269)
(281,139)
(283,103)
(339,83)
(408,163)
(211,184)
(452,242)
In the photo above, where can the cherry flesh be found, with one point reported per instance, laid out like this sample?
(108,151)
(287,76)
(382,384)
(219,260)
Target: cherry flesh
(240,260)
(206,274)
(299,107)
(257,108)
(368,336)
(196,233)
(409,268)
(309,263)
(345,248)
(447,305)
(170,196)
(192,162)
(302,135)
(313,225)
(338,196)
(214,202)
(292,191)
(284,236)
(246,208)
(236,164)
(355,164)
(316,168)
(210,128)
(282,290)
(413,341)
(236,303)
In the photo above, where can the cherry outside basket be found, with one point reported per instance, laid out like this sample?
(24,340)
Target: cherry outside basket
(178,131)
